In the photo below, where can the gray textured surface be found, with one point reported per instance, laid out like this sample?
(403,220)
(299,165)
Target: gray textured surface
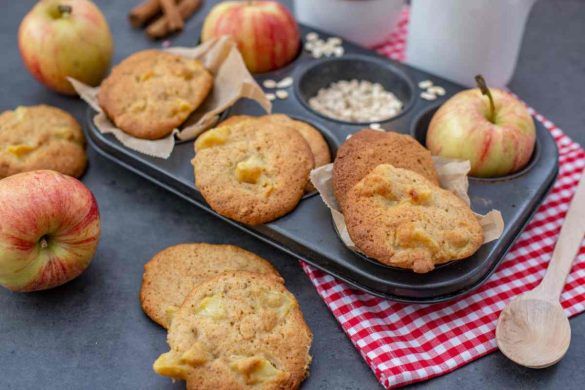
(91,332)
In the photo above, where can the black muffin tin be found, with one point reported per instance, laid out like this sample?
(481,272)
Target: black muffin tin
(308,232)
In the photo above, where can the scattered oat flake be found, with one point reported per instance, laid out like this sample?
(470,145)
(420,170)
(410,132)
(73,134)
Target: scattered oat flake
(166,44)
(270,96)
(269,84)
(335,41)
(437,90)
(375,126)
(312,36)
(285,82)
(428,96)
(281,94)
(425,84)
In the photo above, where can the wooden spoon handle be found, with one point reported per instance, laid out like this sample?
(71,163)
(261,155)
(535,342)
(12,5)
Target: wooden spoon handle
(567,246)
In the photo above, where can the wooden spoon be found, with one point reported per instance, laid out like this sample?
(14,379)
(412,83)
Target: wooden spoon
(533,330)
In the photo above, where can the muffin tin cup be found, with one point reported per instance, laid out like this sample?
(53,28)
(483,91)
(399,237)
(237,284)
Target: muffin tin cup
(307,232)
(419,129)
(310,79)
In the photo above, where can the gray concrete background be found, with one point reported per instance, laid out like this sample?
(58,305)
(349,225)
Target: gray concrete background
(91,333)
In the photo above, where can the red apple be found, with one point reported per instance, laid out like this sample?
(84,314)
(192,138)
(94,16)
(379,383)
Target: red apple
(49,230)
(496,144)
(61,38)
(265,31)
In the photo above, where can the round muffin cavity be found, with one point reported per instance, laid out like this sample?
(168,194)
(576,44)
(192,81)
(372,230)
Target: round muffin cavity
(153,92)
(41,137)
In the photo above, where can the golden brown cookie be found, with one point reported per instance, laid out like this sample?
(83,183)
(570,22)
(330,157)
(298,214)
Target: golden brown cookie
(152,92)
(172,273)
(367,149)
(252,172)
(236,331)
(400,218)
(41,137)
(314,138)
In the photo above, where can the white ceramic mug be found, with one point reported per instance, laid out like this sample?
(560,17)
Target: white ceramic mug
(366,22)
(457,39)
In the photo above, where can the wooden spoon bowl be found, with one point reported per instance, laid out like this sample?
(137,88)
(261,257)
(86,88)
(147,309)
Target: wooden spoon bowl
(533,332)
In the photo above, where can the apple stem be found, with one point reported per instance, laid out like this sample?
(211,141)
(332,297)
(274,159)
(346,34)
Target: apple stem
(482,85)
(64,9)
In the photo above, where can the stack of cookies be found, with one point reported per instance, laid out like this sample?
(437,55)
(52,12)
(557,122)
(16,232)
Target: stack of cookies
(256,169)
(232,324)
(152,92)
(395,211)
(41,137)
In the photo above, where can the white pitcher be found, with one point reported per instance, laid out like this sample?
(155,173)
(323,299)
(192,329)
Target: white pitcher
(457,39)
(367,22)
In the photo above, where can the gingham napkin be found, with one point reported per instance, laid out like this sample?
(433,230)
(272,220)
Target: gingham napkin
(405,343)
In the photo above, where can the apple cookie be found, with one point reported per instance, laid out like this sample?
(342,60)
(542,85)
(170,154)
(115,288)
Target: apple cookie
(172,273)
(235,331)
(367,149)
(400,218)
(252,172)
(152,92)
(314,138)
(41,137)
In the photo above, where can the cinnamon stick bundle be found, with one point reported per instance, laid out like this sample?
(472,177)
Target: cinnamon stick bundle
(143,12)
(171,12)
(161,27)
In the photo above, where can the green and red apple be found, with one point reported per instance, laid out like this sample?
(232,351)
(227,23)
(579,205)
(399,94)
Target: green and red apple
(49,230)
(65,38)
(266,33)
(497,139)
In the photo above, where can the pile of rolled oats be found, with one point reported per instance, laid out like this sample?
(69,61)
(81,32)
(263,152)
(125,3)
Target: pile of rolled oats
(318,48)
(356,101)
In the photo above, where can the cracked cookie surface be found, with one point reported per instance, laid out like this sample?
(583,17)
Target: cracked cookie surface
(401,219)
(252,172)
(152,92)
(367,149)
(173,272)
(238,330)
(41,137)
(316,141)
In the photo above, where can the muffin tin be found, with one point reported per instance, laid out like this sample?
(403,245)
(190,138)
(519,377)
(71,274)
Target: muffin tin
(308,232)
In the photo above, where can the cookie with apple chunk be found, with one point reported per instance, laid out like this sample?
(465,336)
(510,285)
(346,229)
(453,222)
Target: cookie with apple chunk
(173,272)
(239,330)
(367,149)
(41,137)
(401,219)
(153,92)
(314,138)
(252,172)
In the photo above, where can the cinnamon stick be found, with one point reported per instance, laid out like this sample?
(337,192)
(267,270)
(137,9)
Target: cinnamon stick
(143,12)
(171,12)
(160,27)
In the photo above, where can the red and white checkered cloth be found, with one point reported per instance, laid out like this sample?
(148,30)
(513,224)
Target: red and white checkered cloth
(406,343)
